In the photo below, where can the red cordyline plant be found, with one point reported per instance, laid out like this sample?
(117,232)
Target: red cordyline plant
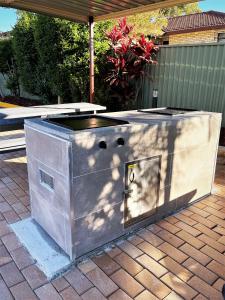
(129,56)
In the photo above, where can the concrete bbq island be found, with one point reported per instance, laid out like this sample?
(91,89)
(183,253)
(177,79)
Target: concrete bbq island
(95,178)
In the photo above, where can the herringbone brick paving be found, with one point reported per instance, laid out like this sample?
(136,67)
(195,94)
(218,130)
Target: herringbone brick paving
(180,257)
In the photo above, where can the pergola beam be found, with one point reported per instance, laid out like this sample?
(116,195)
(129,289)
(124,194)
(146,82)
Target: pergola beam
(46,10)
(142,8)
(75,10)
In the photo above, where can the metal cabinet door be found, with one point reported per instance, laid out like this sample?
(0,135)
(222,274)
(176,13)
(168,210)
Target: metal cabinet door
(142,178)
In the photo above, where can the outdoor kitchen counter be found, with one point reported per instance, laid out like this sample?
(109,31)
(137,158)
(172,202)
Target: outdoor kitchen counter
(91,186)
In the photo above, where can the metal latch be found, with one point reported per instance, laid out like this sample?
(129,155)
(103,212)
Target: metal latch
(128,191)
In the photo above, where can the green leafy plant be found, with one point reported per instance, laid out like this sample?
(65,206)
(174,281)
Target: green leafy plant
(53,57)
(8,66)
(129,55)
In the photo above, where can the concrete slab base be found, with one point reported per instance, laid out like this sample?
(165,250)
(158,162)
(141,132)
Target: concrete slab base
(51,259)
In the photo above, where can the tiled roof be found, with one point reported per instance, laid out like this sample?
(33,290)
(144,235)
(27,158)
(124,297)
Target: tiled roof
(198,21)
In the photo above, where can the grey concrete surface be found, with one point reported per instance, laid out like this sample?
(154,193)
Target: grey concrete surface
(46,253)
(47,110)
(87,206)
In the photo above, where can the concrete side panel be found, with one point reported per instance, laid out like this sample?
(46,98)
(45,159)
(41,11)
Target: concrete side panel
(97,229)
(155,139)
(141,141)
(57,196)
(199,165)
(165,206)
(89,157)
(51,151)
(97,191)
(197,132)
(105,188)
(52,221)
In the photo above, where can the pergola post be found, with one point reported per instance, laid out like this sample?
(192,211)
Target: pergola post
(91,51)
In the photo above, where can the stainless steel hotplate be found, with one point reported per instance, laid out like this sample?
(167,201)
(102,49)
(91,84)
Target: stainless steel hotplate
(169,111)
(85,122)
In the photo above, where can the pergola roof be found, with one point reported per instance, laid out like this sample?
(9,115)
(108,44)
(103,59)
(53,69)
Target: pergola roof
(81,10)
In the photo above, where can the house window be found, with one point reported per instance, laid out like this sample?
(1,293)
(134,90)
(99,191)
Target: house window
(221,37)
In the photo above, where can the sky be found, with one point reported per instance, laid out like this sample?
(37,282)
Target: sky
(8,16)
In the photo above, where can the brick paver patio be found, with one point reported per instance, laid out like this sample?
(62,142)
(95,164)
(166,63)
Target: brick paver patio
(180,257)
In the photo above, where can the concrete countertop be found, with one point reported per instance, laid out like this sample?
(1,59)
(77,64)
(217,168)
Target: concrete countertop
(44,110)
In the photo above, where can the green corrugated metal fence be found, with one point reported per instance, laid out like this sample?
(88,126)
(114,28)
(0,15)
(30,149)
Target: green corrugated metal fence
(189,76)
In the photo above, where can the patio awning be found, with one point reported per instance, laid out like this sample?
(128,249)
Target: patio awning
(81,10)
